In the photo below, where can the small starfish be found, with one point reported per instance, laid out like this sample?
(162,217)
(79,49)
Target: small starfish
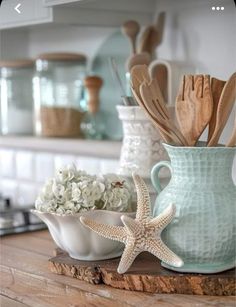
(140,234)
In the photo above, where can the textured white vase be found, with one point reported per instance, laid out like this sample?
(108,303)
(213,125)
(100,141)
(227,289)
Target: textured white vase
(142,147)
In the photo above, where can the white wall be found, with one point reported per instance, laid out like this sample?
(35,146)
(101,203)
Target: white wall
(67,38)
(197,34)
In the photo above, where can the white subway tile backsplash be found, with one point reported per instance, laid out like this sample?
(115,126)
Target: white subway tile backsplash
(63,160)
(90,165)
(23,172)
(26,194)
(7,163)
(108,166)
(25,166)
(44,166)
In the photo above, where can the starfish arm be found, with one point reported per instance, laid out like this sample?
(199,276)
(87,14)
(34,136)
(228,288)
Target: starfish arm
(161,251)
(116,233)
(128,257)
(163,219)
(130,224)
(143,199)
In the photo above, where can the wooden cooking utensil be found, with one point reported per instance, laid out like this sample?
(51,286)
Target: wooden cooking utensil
(149,40)
(154,102)
(194,106)
(225,105)
(131,29)
(151,37)
(93,85)
(232,140)
(159,25)
(138,75)
(142,58)
(144,38)
(216,89)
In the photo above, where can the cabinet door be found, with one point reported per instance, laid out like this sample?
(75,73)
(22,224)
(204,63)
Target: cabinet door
(31,12)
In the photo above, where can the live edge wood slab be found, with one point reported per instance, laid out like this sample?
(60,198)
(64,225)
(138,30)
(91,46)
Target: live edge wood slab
(146,275)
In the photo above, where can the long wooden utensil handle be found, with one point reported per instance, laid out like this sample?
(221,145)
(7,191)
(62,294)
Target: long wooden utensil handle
(225,107)
(232,140)
(216,89)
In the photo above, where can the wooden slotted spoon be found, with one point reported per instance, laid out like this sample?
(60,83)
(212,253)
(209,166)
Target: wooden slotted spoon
(140,74)
(225,106)
(154,102)
(194,106)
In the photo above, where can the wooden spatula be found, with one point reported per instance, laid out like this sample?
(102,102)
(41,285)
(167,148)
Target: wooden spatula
(194,106)
(154,102)
(140,74)
(227,100)
(216,89)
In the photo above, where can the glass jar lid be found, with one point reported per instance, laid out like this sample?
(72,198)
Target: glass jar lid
(63,57)
(21,63)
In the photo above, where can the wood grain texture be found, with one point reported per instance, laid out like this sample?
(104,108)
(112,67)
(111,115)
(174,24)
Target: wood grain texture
(146,274)
(8,302)
(216,89)
(26,280)
(225,106)
(194,106)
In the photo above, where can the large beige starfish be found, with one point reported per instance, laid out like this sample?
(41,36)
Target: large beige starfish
(140,234)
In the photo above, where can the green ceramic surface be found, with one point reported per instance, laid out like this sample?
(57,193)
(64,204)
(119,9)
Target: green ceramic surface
(203,232)
(117,47)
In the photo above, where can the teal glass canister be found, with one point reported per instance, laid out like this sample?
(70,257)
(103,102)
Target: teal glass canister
(203,232)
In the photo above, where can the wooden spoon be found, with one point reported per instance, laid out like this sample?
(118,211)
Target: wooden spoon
(232,140)
(216,89)
(227,100)
(194,106)
(131,29)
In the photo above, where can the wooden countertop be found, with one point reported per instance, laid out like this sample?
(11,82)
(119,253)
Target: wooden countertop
(26,281)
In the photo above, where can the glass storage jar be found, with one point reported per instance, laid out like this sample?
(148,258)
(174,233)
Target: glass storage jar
(16,99)
(58,91)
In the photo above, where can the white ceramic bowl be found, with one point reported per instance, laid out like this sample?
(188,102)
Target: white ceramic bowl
(80,242)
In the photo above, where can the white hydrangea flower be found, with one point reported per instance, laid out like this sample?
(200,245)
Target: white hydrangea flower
(72,191)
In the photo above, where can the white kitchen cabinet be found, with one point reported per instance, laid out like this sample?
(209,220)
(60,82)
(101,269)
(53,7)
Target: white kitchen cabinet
(110,13)
(32,12)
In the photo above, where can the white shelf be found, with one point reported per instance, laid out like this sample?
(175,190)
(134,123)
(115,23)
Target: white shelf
(92,148)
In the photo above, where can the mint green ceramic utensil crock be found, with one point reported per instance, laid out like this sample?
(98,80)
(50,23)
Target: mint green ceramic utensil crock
(203,232)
